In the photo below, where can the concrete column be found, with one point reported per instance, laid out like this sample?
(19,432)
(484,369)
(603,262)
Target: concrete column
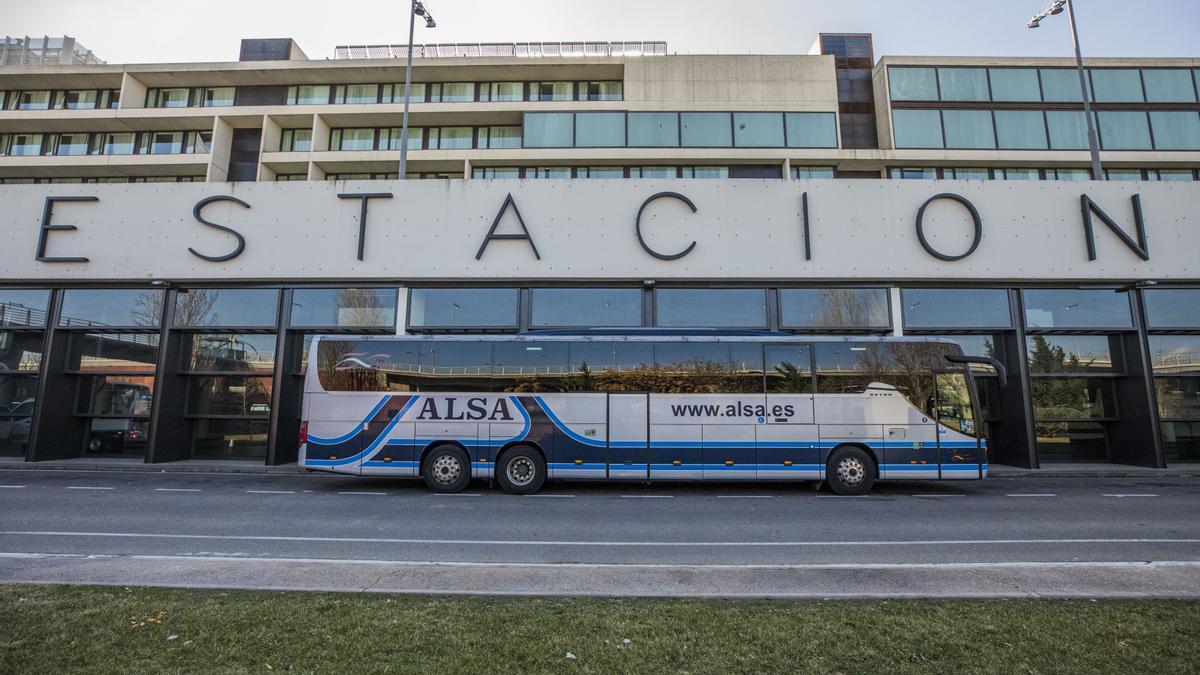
(271,136)
(222,146)
(320,143)
(133,92)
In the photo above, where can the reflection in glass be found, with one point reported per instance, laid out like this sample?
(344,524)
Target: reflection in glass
(1116,85)
(1077,308)
(112,307)
(229,439)
(117,436)
(1021,130)
(1071,441)
(802,308)
(757,130)
(1178,397)
(462,307)
(1065,398)
(1175,354)
(1181,441)
(20,352)
(1124,130)
(706,130)
(1166,85)
(917,128)
(344,307)
(1172,307)
(115,395)
(653,130)
(1060,85)
(969,129)
(553,307)
(789,369)
(231,352)
(711,307)
(250,307)
(114,352)
(955,308)
(851,367)
(1055,354)
(600,130)
(530,367)
(1068,129)
(963,84)
(244,396)
(1176,130)
(913,84)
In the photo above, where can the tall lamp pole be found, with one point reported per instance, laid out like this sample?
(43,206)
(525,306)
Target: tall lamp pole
(1057,7)
(418,9)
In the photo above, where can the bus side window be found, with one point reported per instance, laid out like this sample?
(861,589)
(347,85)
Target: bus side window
(529,367)
(455,366)
(789,369)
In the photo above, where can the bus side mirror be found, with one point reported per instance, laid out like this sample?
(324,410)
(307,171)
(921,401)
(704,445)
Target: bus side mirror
(1001,371)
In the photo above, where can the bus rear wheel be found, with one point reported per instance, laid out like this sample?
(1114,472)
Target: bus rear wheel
(850,471)
(446,468)
(521,470)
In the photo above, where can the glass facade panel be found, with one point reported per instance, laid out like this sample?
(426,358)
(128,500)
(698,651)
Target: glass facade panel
(1181,441)
(833,308)
(955,308)
(716,307)
(1169,85)
(1021,130)
(231,352)
(1071,398)
(811,130)
(1060,85)
(1178,397)
(913,84)
(758,130)
(548,130)
(1071,441)
(114,352)
(20,353)
(1175,354)
(111,307)
(917,128)
(706,130)
(1076,308)
(1124,130)
(969,129)
(1068,129)
(1015,84)
(1171,307)
(17,396)
(503,137)
(963,84)
(1059,354)
(462,307)
(249,307)
(454,138)
(554,307)
(229,439)
(1112,85)
(23,307)
(1176,130)
(458,92)
(229,395)
(704,171)
(653,130)
(115,395)
(600,130)
(344,307)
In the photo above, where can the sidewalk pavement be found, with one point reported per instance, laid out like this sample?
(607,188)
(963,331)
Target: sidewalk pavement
(1049,470)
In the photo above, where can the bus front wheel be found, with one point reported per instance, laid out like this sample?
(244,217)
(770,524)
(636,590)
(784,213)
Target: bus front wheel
(521,470)
(446,469)
(850,471)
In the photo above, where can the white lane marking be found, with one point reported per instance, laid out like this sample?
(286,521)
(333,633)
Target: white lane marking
(518,542)
(745,496)
(1139,564)
(88,487)
(936,496)
(271,492)
(553,496)
(1031,494)
(11,487)
(177,490)
(456,494)
(843,496)
(1146,494)
(352,492)
(647,496)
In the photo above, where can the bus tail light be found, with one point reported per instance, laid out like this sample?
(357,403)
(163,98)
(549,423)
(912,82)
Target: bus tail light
(304,431)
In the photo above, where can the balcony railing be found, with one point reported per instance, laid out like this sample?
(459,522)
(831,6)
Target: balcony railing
(501,50)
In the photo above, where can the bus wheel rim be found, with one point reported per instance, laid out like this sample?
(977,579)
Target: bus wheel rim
(446,469)
(521,471)
(851,471)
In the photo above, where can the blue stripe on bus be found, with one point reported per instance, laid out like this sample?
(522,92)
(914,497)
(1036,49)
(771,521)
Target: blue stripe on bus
(591,442)
(350,434)
(375,444)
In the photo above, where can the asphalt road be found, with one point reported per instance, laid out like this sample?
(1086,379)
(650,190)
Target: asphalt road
(1007,537)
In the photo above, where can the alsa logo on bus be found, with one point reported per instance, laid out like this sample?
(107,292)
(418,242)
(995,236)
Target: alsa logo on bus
(473,409)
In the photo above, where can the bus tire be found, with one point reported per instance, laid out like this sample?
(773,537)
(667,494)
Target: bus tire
(521,470)
(850,471)
(446,468)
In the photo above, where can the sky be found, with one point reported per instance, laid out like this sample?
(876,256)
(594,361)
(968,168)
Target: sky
(169,31)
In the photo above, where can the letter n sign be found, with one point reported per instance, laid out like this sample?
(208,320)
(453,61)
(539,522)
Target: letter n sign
(1140,247)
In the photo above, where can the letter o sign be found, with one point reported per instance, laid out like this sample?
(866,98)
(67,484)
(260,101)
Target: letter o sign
(975,220)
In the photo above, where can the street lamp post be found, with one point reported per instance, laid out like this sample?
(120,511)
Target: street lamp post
(418,9)
(1056,7)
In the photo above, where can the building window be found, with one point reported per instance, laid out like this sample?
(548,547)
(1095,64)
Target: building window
(970,129)
(1168,86)
(600,172)
(1170,174)
(913,84)
(25,145)
(1021,130)
(966,174)
(72,144)
(600,130)
(1068,129)
(1076,308)
(549,130)
(653,172)
(162,142)
(237,307)
(344,308)
(553,91)
(457,92)
(462,308)
(495,172)
(606,91)
(926,173)
(706,130)
(309,94)
(583,307)
(352,139)
(1069,174)
(118,144)
(558,172)
(506,91)
(23,307)
(296,140)
(1060,85)
(1176,130)
(955,308)
(833,309)
(917,128)
(33,100)
(392,139)
(1111,85)
(811,130)
(356,93)
(715,307)
(127,308)
(812,172)
(704,172)
(217,97)
(168,98)
(653,130)
(757,130)
(1172,307)
(1019,85)
(500,137)
(1124,130)
(963,84)
(454,138)
(1123,174)
(77,99)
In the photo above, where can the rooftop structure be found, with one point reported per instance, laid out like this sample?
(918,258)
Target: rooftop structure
(45,50)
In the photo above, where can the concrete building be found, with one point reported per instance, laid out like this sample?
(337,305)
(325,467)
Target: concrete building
(826,193)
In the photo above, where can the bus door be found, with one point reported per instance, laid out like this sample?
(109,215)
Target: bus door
(959,434)
(788,444)
(629,435)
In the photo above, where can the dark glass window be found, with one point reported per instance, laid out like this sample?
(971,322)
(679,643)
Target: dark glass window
(704,368)
(706,130)
(789,369)
(711,307)
(114,352)
(1077,308)
(229,439)
(454,366)
(344,307)
(530,367)
(548,130)
(600,130)
(231,396)
(963,84)
(23,307)
(20,353)
(851,367)
(1071,441)
(115,395)
(1181,441)
(610,366)
(913,84)
(1175,354)
(1124,130)
(462,308)
(757,130)
(1173,307)
(112,307)
(653,130)
(250,307)
(830,308)
(917,128)
(1178,397)
(955,308)
(553,307)
(17,395)
(1015,84)
(1072,398)
(1074,354)
(231,352)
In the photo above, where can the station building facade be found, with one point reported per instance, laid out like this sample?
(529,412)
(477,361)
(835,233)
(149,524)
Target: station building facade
(172,235)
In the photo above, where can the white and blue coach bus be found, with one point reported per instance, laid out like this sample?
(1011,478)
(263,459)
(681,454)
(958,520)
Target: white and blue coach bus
(644,406)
